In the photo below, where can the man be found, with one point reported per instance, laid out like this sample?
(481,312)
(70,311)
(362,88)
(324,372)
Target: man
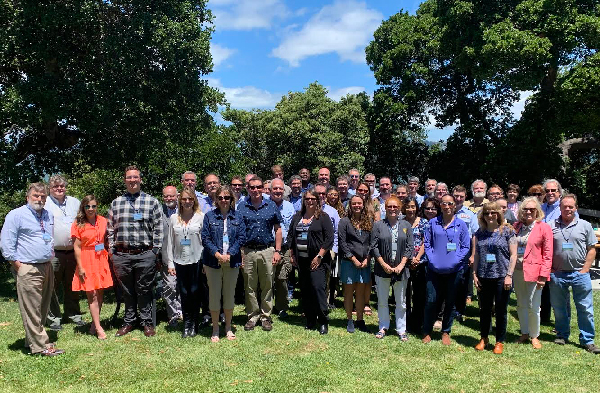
(211,185)
(324,176)
(267,188)
(478,189)
(413,187)
(464,292)
(261,217)
(305,176)
(440,190)
(189,179)
(430,188)
(342,184)
(402,192)
(135,235)
(283,269)
(169,283)
(370,180)
(64,209)
(277,171)
(237,185)
(28,246)
(385,191)
(321,191)
(354,176)
(551,208)
(296,193)
(574,253)
(496,194)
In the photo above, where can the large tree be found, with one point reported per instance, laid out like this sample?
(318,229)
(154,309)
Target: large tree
(102,82)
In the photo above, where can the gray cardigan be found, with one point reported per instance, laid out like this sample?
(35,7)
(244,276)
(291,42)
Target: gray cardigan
(381,244)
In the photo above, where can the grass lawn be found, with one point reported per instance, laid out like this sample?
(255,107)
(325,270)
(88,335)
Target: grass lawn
(288,359)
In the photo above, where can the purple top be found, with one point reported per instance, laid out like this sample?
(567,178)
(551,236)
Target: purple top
(444,259)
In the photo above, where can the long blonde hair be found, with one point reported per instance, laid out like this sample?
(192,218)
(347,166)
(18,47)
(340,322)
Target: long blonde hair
(189,191)
(493,207)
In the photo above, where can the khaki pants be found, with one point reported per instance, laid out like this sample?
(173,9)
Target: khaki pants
(35,283)
(280,277)
(258,269)
(221,281)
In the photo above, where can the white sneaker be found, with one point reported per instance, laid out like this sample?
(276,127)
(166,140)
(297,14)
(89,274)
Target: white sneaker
(350,327)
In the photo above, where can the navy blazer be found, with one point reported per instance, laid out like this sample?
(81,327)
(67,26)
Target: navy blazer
(212,237)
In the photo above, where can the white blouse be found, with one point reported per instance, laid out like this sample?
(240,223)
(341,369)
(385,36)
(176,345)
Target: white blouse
(184,244)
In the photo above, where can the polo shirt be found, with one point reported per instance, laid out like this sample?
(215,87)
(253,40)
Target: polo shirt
(552,212)
(469,218)
(580,234)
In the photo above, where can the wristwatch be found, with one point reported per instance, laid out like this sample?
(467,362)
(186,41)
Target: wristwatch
(319,256)
(278,251)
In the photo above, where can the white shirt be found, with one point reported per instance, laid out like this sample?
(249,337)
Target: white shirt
(64,215)
(179,232)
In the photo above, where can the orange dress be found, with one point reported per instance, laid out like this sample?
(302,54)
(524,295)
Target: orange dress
(94,262)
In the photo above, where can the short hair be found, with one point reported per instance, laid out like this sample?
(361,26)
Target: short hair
(428,180)
(39,187)
(479,181)
(459,188)
(369,174)
(413,179)
(188,173)
(256,178)
(132,168)
(572,196)
(496,186)
(342,178)
(272,180)
(57,179)
(212,174)
(538,208)
(513,187)
(237,178)
(427,200)
(295,177)
(560,190)
(393,198)
(354,170)
(441,184)
(276,168)
(385,177)
(320,185)
(402,185)
(536,188)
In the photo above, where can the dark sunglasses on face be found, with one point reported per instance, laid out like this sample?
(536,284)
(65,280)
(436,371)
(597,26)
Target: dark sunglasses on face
(529,209)
(236,185)
(536,194)
(551,190)
(88,207)
(310,199)
(490,213)
(224,198)
(255,187)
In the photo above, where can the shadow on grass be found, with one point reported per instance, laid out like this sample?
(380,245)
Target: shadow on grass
(19,344)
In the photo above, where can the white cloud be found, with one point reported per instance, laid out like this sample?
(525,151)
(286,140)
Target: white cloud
(220,53)
(247,14)
(519,106)
(337,94)
(247,97)
(344,27)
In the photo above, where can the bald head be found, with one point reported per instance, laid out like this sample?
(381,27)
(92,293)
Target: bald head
(170,196)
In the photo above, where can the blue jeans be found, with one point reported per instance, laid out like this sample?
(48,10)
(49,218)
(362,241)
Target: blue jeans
(440,287)
(581,285)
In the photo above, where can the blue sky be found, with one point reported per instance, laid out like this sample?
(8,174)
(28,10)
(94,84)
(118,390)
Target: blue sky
(263,49)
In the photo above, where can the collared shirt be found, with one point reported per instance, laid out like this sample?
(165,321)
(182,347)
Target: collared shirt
(308,186)
(296,202)
(473,207)
(351,191)
(259,222)
(335,220)
(552,212)
(420,199)
(571,243)
(127,229)
(443,259)
(167,211)
(287,211)
(64,215)
(206,204)
(199,194)
(184,254)
(27,235)
(469,218)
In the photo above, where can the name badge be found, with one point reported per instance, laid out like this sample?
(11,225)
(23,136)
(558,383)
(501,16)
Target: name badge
(304,235)
(225,239)
(185,242)
(67,220)
(567,246)
(99,247)
(521,250)
(47,237)
(490,257)
(450,246)
(137,216)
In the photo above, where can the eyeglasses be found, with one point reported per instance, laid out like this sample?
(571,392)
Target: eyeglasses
(529,209)
(490,213)
(447,203)
(310,199)
(255,187)
(354,176)
(392,207)
(90,207)
(495,193)
(551,190)
(224,198)
(58,186)
(430,209)
(187,199)
(537,194)
(237,185)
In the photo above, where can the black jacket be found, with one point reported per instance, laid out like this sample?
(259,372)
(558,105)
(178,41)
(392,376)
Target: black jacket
(320,235)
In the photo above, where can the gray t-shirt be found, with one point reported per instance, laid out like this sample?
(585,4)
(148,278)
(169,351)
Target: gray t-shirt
(571,243)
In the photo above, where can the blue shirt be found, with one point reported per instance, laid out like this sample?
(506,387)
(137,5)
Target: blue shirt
(552,212)
(420,199)
(335,220)
(259,222)
(27,236)
(469,218)
(297,202)
(493,249)
(441,258)
(287,211)
(206,204)
(309,185)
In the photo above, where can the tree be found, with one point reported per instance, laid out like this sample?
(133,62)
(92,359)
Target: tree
(306,129)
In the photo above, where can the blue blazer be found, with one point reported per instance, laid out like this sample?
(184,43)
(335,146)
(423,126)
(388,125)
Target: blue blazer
(212,237)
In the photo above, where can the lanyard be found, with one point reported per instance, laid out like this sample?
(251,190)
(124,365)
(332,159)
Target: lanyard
(563,233)
(131,203)
(185,230)
(41,221)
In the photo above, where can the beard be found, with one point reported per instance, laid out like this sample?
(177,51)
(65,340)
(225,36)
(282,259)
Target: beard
(37,206)
(171,204)
(479,194)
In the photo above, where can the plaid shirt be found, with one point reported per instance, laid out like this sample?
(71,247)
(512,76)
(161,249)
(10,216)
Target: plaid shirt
(125,231)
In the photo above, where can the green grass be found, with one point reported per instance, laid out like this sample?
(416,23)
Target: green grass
(289,359)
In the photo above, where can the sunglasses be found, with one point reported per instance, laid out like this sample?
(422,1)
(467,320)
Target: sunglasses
(89,207)
(187,199)
(430,209)
(536,194)
(447,203)
(529,209)
(490,213)
(255,187)
(237,185)
(310,199)
(551,190)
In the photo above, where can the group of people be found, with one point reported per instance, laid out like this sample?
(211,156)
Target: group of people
(430,250)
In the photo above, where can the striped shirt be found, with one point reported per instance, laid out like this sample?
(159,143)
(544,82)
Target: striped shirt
(135,221)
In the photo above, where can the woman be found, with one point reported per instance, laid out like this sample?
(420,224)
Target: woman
(495,258)
(532,271)
(354,240)
(416,290)
(512,195)
(373,207)
(184,251)
(446,246)
(333,200)
(92,274)
(392,245)
(223,233)
(537,190)
(310,238)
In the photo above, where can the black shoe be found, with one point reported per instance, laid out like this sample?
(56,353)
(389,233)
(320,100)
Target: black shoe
(79,322)
(323,329)
(332,306)
(361,326)
(310,326)
(55,327)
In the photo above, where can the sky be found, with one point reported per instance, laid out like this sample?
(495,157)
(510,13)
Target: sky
(263,49)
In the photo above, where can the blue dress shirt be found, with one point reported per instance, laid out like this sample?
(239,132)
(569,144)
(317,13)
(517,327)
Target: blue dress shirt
(259,222)
(27,235)
(335,220)
(552,212)
(287,211)
(297,202)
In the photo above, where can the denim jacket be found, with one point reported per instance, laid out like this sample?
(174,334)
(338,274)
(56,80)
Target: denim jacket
(212,237)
